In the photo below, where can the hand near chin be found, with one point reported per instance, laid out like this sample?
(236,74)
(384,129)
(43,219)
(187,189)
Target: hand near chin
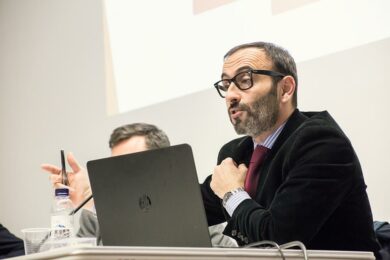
(227,176)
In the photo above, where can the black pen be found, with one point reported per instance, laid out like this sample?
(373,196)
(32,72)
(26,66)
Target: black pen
(64,175)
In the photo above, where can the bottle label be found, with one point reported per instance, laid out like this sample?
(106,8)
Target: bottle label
(62,227)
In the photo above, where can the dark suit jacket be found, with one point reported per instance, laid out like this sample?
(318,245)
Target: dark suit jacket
(10,245)
(311,189)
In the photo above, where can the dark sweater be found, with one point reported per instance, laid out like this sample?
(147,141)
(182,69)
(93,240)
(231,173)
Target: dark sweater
(10,245)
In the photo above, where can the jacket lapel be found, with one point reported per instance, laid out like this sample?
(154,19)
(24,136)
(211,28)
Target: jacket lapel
(294,121)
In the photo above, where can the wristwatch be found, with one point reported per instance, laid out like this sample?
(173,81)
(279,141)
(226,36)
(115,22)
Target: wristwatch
(228,194)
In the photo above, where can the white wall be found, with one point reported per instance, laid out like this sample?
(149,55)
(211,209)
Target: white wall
(51,91)
(52,97)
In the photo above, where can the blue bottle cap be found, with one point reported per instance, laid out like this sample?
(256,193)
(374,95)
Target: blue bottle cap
(61,192)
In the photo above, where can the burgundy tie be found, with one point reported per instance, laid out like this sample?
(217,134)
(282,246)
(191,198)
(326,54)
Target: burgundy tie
(252,177)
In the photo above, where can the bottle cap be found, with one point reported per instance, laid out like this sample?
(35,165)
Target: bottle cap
(61,192)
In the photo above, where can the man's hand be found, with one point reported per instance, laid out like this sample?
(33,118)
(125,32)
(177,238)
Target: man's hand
(79,186)
(227,177)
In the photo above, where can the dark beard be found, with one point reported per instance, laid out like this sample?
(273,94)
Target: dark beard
(261,117)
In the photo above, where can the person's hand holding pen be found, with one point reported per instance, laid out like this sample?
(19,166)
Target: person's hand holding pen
(79,186)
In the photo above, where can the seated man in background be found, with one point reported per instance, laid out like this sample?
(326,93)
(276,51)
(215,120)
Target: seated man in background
(126,139)
(10,245)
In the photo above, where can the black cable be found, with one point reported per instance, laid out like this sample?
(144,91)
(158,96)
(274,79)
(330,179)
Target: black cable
(81,205)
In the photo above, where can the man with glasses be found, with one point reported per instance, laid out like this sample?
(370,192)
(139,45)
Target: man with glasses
(295,175)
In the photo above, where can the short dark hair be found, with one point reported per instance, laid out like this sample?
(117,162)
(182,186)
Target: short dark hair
(281,59)
(154,137)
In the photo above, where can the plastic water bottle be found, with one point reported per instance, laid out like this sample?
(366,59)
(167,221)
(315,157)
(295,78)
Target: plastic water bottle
(62,222)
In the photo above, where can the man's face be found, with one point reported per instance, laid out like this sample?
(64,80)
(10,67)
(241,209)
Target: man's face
(132,145)
(255,110)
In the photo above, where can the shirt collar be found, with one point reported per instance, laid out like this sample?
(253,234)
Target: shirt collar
(270,140)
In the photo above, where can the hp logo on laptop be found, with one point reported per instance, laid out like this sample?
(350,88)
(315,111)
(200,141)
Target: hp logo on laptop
(144,202)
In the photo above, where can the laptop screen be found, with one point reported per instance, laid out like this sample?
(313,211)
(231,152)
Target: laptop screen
(150,198)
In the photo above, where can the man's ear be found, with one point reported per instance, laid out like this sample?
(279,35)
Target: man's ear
(287,86)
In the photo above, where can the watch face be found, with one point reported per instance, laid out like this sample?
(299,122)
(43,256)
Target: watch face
(226,197)
(229,194)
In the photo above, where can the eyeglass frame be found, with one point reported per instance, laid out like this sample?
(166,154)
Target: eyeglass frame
(251,71)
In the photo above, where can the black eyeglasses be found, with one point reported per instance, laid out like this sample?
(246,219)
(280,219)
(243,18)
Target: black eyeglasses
(243,80)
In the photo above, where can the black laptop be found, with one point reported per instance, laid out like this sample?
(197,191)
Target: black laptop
(149,198)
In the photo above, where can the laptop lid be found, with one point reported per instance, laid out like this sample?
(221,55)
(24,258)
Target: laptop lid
(150,198)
